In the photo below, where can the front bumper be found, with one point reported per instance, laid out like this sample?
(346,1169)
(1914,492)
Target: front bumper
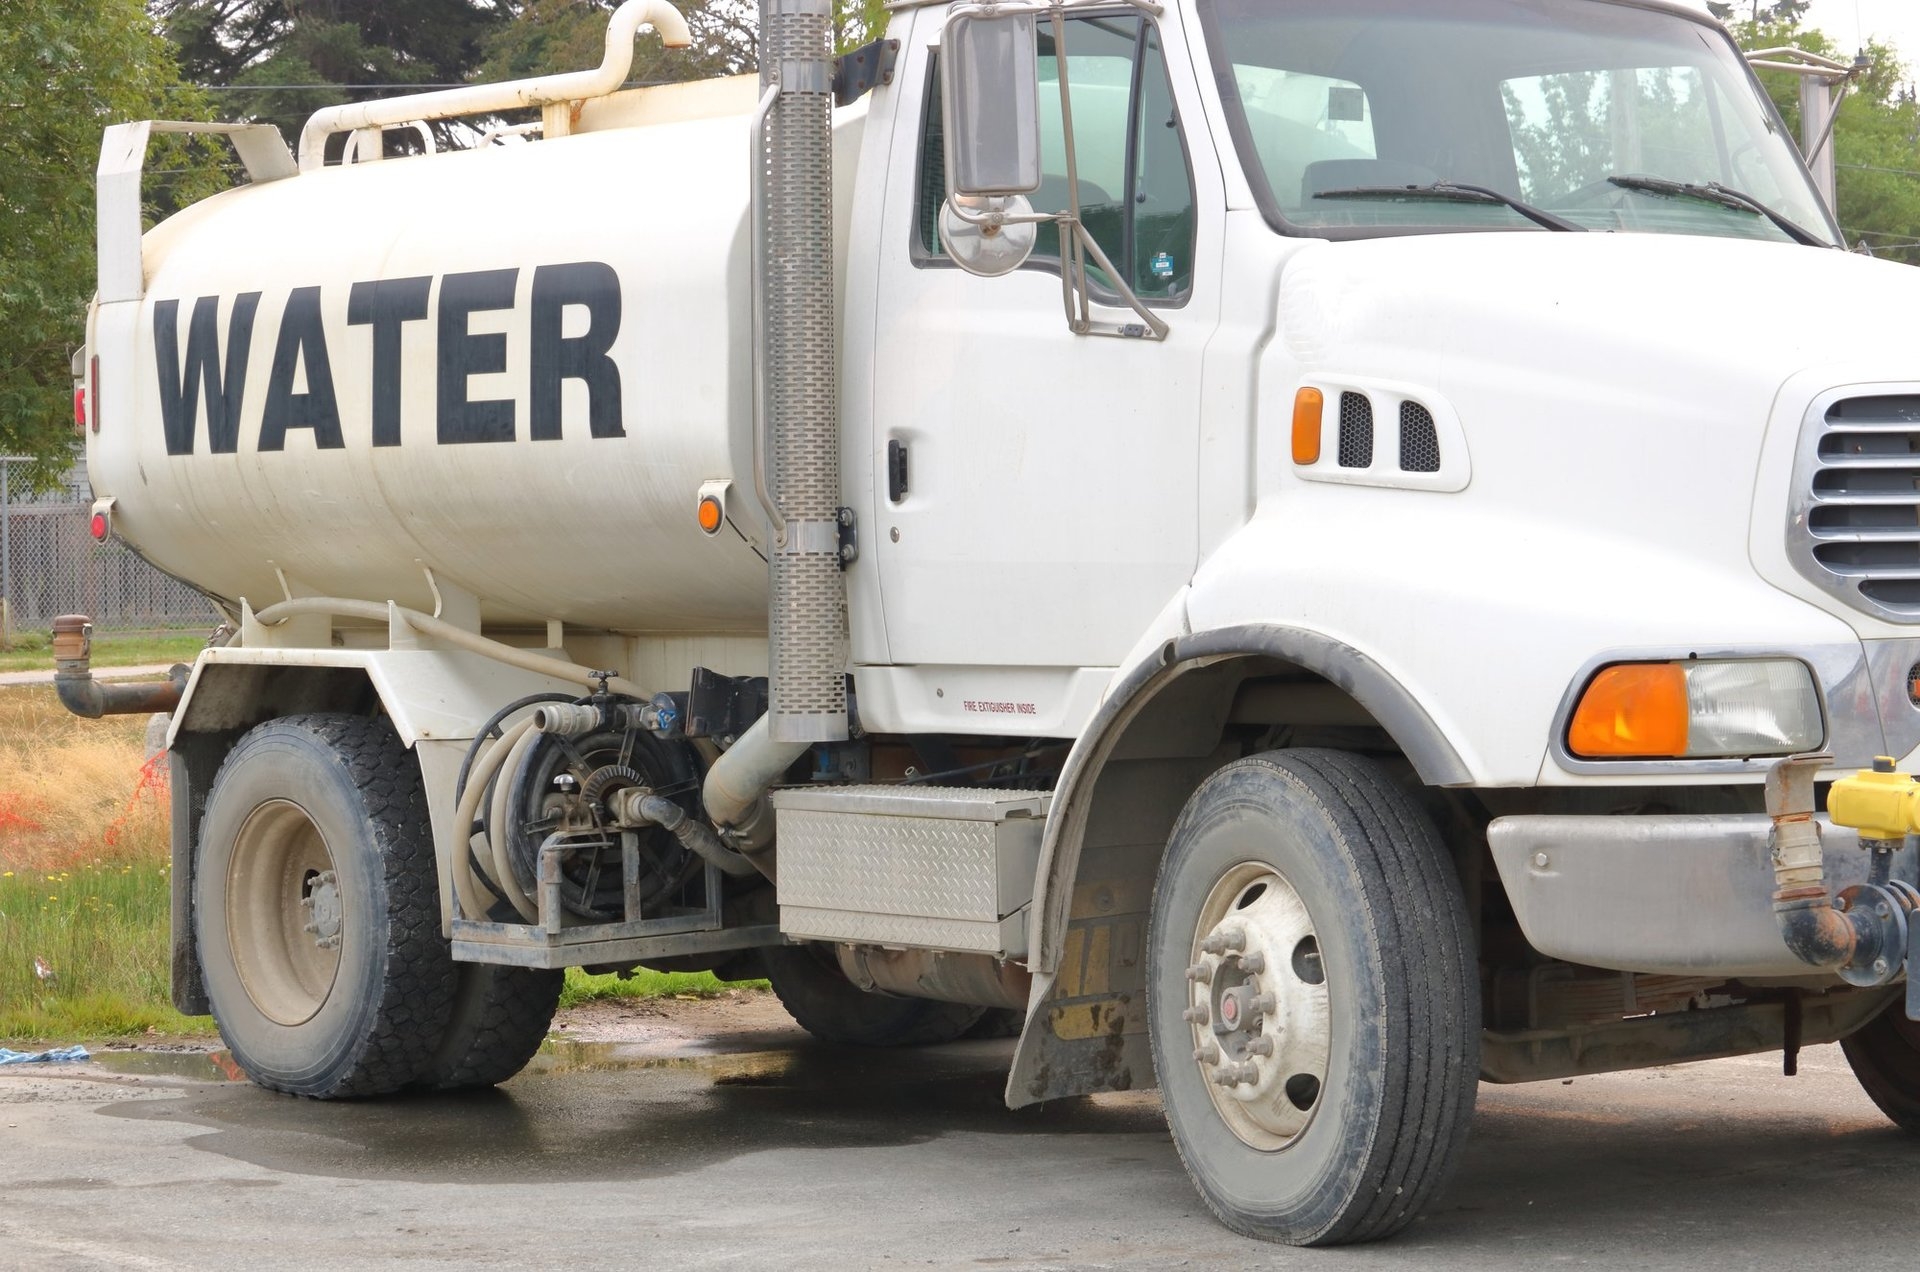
(1673,895)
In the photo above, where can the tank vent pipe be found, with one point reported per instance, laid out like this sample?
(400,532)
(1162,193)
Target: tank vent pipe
(807,607)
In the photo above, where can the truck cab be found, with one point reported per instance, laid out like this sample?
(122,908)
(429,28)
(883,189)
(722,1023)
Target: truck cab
(1275,546)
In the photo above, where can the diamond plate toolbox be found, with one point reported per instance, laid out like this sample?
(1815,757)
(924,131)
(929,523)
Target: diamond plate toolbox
(938,867)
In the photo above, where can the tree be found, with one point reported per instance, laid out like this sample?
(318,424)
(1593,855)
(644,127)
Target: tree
(68,68)
(285,59)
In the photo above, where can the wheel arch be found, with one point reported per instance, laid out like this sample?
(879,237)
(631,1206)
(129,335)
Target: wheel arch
(1162,731)
(436,699)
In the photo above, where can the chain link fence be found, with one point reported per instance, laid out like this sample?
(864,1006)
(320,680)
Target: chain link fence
(53,566)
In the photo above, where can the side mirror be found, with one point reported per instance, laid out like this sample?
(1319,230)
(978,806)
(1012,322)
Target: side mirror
(990,70)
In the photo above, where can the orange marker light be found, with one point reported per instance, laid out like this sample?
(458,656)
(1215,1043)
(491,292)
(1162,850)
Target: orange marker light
(1308,405)
(1632,709)
(710,514)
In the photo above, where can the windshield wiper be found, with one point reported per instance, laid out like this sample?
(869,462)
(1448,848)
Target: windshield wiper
(1458,193)
(1725,196)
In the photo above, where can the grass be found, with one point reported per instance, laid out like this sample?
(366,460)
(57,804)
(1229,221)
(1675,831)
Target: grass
(84,885)
(83,876)
(582,988)
(33,650)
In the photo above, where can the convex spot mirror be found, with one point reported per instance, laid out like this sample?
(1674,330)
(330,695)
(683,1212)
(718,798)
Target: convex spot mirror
(990,69)
(984,235)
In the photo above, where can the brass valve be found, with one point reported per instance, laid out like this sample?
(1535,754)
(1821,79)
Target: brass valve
(1878,802)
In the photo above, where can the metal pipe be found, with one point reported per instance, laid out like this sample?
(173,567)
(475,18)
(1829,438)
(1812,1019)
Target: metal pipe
(807,606)
(952,978)
(81,694)
(735,790)
(1862,943)
(513,95)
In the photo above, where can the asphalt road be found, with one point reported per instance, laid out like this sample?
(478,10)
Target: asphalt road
(761,1150)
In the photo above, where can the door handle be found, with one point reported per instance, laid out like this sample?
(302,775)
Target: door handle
(896,469)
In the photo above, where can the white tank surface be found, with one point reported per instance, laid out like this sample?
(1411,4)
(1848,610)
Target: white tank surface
(515,366)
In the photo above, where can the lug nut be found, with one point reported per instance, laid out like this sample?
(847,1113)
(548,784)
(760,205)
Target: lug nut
(1196,1016)
(1206,1053)
(1253,964)
(1260,1046)
(1225,941)
(1200,973)
(1232,1075)
(1264,1004)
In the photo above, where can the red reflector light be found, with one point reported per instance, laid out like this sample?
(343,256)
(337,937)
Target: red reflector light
(99,525)
(93,371)
(80,410)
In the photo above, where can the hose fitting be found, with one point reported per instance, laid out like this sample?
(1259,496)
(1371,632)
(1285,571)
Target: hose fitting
(638,805)
(1860,935)
(81,694)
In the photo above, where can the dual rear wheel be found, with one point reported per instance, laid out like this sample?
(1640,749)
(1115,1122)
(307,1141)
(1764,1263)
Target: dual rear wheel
(317,912)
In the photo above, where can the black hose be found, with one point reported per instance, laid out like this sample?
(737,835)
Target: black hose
(491,729)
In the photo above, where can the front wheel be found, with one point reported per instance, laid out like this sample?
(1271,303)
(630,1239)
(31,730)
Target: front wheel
(1313,1000)
(1885,1056)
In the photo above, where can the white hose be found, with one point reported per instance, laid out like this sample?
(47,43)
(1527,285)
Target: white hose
(459,637)
(482,773)
(499,839)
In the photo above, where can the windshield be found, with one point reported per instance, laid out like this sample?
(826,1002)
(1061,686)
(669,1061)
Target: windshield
(1339,102)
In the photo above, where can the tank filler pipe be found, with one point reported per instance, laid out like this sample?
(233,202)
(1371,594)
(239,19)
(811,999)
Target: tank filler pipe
(736,786)
(487,99)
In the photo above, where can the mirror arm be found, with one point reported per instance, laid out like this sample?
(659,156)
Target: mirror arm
(1075,292)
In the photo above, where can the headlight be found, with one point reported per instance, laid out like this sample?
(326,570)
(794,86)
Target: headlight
(1697,710)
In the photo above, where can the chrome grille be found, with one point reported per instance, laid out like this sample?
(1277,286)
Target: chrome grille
(1859,529)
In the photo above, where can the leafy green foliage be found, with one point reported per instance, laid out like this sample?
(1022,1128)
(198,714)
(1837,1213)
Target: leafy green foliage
(68,68)
(1876,140)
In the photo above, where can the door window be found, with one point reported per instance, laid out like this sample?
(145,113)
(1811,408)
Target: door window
(1136,189)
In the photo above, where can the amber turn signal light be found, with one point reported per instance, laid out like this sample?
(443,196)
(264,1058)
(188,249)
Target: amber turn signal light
(1308,406)
(710,514)
(1632,709)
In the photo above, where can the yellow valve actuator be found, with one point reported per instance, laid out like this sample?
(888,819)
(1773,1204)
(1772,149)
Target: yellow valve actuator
(1877,802)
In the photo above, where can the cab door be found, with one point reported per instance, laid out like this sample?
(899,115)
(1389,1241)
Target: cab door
(1035,490)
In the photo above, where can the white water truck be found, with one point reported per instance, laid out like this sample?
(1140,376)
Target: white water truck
(1291,551)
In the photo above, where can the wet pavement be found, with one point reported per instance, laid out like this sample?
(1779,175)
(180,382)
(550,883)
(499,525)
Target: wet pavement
(764,1150)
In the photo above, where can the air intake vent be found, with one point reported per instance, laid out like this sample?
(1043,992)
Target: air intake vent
(1861,470)
(1419,440)
(1356,430)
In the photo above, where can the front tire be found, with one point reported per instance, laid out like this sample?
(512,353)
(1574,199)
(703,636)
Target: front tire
(317,909)
(1885,1056)
(1313,999)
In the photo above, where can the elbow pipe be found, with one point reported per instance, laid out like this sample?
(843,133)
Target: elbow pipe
(737,784)
(515,94)
(1860,936)
(81,694)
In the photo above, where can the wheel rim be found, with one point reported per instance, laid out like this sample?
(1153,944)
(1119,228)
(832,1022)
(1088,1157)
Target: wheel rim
(1257,1004)
(284,918)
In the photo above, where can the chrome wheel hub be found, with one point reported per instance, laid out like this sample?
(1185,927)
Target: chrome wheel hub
(1258,1006)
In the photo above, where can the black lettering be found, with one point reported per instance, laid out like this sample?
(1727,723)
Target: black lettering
(180,397)
(464,354)
(386,305)
(303,338)
(556,357)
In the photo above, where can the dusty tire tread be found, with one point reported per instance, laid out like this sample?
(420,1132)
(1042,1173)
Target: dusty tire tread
(1430,990)
(417,987)
(513,1014)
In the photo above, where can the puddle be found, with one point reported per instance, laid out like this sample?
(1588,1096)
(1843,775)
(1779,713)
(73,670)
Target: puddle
(607,1111)
(207,1066)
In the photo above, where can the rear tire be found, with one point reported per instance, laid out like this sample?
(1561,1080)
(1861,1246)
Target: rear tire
(1323,1096)
(317,909)
(1885,1056)
(833,1009)
(500,1017)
